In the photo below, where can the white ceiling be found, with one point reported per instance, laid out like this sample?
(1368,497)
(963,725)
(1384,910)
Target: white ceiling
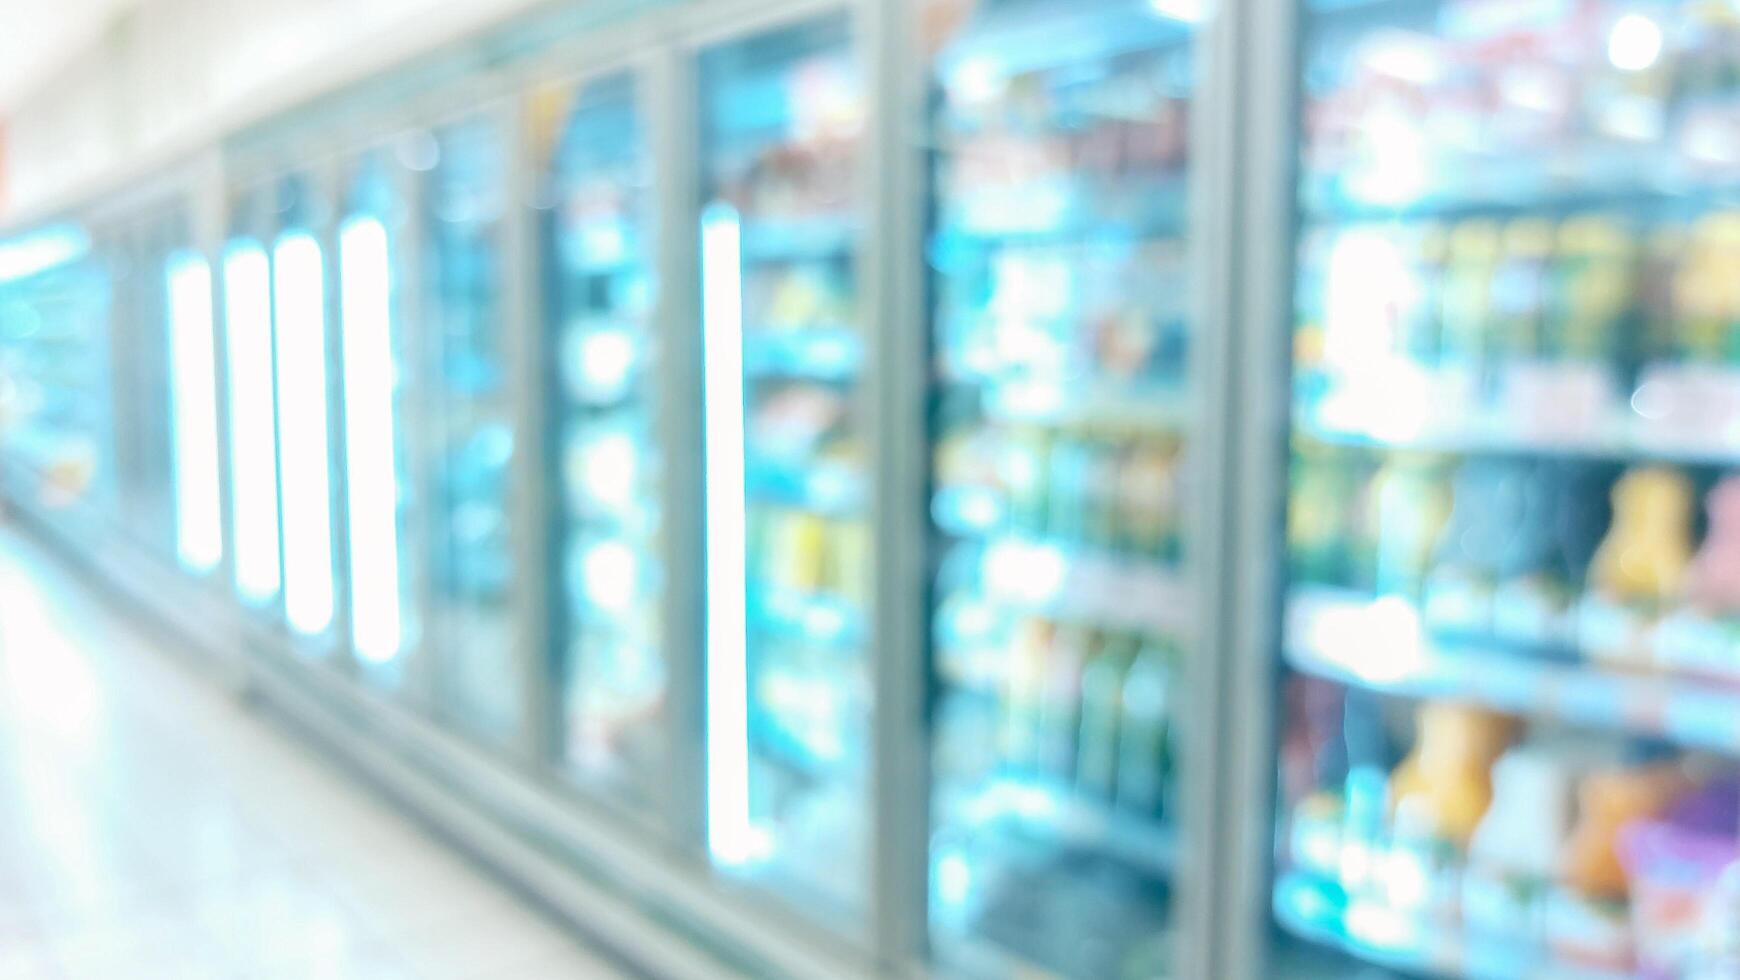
(35,36)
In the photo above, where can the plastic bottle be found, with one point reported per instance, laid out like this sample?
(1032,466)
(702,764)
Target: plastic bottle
(1644,557)
(1144,732)
(1410,501)
(1102,699)
(1060,702)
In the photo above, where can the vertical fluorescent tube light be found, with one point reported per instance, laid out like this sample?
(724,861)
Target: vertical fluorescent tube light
(730,836)
(372,488)
(253,443)
(299,304)
(199,532)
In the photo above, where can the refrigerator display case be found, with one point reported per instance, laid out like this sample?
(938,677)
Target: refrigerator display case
(1060,336)
(477,669)
(788,553)
(55,301)
(599,251)
(380,500)
(1508,723)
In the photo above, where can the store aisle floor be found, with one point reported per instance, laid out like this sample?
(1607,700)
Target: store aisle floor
(152,827)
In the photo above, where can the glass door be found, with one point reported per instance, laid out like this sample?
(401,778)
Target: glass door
(1508,742)
(377,378)
(477,670)
(598,251)
(1060,339)
(787,514)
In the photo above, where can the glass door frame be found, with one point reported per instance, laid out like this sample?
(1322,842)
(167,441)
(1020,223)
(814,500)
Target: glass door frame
(1270,133)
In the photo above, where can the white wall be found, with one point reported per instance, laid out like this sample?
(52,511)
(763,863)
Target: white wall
(166,76)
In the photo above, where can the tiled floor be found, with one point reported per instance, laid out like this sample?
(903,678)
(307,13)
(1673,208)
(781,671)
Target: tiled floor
(150,827)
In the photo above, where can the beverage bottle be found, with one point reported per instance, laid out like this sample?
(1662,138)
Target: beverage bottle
(1644,558)
(1102,699)
(1488,506)
(1025,482)
(1700,287)
(1592,286)
(1147,497)
(1144,731)
(1467,301)
(1713,581)
(1024,691)
(1319,516)
(1410,501)
(1519,289)
(1438,796)
(1656,289)
(1582,515)
(1104,517)
(1067,477)
(1421,323)
(1060,702)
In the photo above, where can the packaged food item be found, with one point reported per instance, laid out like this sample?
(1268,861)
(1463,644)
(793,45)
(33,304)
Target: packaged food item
(1587,916)
(1641,564)
(1513,855)
(1703,636)
(1673,866)
(1438,796)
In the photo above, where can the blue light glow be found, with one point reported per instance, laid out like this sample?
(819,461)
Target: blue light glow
(193,409)
(253,440)
(299,303)
(731,835)
(372,487)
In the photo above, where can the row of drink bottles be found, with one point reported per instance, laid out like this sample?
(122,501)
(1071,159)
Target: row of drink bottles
(1549,554)
(1541,843)
(1090,488)
(1529,317)
(1088,709)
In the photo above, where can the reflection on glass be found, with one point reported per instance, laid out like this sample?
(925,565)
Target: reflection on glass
(300,312)
(1058,259)
(253,434)
(193,409)
(600,301)
(370,447)
(788,549)
(477,675)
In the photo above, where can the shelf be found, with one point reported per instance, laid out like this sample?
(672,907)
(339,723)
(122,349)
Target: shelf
(1620,437)
(1380,644)
(1077,584)
(1080,403)
(1065,818)
(830,353)
(1319,911)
